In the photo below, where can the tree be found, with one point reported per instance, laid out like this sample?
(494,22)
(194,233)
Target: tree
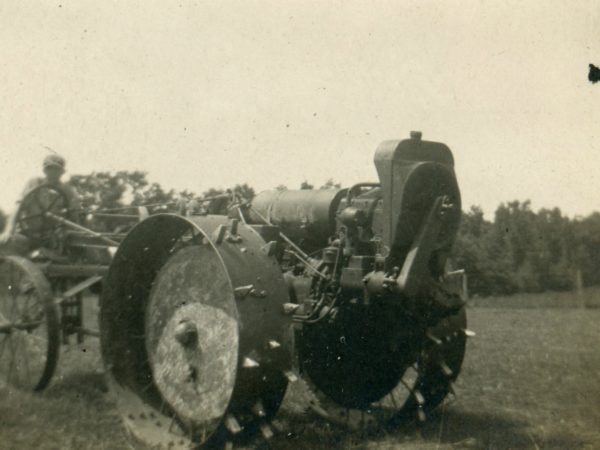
(474,223)
(242,192)
(484,259)
(586,256)
(525,251)
(186,195)
(330,184)
(3,218)
(515,234)
(556,265)
(154,194)
(306,185)
(105,190)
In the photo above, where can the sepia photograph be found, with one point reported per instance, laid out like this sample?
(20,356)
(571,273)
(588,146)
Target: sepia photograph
(300,224)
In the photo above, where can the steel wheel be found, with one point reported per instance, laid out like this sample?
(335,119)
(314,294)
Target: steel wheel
(32,216)
(29,325)
(192,332)
(370,376)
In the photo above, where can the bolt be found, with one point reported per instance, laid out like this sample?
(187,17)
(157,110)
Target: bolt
(186,333)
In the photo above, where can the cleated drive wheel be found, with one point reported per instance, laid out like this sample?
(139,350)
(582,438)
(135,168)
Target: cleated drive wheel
(367,376)
(29,325)
(192,331)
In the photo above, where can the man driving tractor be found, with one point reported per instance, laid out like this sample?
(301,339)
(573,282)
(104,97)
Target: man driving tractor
(12,239)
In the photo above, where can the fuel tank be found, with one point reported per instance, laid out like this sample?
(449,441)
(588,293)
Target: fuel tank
(306,216)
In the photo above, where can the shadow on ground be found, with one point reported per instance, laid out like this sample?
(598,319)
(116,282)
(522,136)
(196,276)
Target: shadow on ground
(444,429)
(450,426)
(85,386)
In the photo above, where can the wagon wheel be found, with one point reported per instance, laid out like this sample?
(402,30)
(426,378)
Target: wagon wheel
(369,376)
(29,325)
(32,215)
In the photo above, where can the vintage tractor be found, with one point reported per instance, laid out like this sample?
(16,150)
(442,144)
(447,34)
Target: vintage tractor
(206,318)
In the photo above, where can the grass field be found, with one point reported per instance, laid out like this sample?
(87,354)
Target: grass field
(531,380)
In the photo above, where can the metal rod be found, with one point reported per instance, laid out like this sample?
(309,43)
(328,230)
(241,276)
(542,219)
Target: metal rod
(283,236)
(307,264)
(241,214)
(359,186)
(89,332)
(8,327)
(81,286)
(298,253)
(116,216)
(79,270)
(98,246)
(124,208)
(81,228)
(81,233)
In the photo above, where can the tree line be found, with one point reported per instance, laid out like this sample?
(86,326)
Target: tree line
(518,251)
(526,251)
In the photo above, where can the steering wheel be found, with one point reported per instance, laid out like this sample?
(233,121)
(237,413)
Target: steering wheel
(33,219)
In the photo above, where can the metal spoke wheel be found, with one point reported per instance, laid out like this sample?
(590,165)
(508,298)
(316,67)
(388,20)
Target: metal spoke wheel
(29,325)
(192,331)
(33,218)
(383,372)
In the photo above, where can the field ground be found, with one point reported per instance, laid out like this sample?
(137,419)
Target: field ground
(531,380)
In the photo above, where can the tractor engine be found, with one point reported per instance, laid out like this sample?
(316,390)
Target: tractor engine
(206,318)
(368,270)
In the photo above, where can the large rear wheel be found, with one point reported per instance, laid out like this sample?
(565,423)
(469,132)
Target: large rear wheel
(192,331)
(372,368)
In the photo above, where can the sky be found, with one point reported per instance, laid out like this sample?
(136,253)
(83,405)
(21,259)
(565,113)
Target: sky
(211,94)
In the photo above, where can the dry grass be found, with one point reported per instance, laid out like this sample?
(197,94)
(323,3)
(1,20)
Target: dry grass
(531,379)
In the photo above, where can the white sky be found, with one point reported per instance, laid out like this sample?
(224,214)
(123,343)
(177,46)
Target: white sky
(210,94)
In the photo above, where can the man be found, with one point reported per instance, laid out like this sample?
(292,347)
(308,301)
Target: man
(54,168)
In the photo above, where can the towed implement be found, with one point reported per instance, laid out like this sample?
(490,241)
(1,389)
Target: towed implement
(205,319)
(52,260)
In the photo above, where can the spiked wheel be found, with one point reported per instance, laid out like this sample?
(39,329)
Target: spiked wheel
(371,375)
(32,215)
(192,329)
(29,325)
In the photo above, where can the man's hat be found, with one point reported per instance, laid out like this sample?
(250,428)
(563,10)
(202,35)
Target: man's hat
(54,160)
